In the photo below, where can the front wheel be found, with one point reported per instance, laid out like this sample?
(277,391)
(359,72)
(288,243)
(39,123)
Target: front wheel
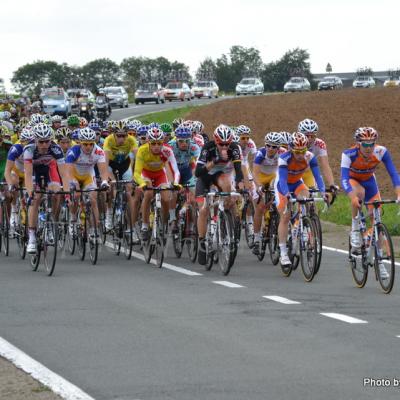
(273,239)
(128,229)
(308,249)
(226,242)
(50,245)
(384,259)
(4,231)
(358,266)
(159,245)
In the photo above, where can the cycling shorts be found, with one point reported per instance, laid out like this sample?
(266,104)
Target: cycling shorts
(157,178)
(282,200)
(370,186)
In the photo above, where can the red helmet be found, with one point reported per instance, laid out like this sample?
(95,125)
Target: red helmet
(366,134)
(223,134)
(299,141)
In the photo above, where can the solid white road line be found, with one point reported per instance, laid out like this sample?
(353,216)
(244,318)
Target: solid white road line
(228,284)
(165,265)
(38,371)
(282,300)
(344,318)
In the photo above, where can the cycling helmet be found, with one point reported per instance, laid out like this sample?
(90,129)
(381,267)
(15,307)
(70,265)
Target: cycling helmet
(133,125)
(94,125)
(273,138)
(176,122)
(286,139)
(166,128)
(142,131)
(87,135)
(56,118)
(43,131)
(63,133)
(83,122)
(23,121)
(243,130)
(6,115)
(223,134)
(154,125)
(236,138)
(110,124)
(73,120)
(182,133)
(155,134)
(366,134)
(75,134)
(197,127)
(36,119)
(307,126)
(46,119)
(299,141)
(26,135)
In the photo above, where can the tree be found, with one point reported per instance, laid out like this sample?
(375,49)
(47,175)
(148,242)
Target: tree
(207,70)
(328,68)
(101,72)
(33,77)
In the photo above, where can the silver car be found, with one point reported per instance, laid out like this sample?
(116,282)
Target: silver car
(249,86)
(149,92)
(205,89)
(117,96)
(297,84)
(363,82)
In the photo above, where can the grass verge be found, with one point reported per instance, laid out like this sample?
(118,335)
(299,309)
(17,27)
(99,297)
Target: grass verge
(340,214)
(166,116)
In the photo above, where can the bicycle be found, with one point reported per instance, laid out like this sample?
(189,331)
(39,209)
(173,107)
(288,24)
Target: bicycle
(302,240)
(220,238)
(4,220)
(157,239)
(244,210)
(186,224)
(21,231)
(376,250)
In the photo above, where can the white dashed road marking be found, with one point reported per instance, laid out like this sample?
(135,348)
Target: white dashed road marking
(228,284)
(282,300)
(344,318)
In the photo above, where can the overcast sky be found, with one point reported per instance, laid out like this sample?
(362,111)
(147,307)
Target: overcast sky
(347,33)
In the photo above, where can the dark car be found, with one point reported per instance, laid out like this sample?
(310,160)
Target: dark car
(330,83)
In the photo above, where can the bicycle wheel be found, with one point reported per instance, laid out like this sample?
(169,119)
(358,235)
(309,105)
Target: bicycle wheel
(192,241)
(384,259)
(81,236)
(71,239)
(358,266)
(248,227)
(211,245)
(263,245)
(317,223)
(308,249)
(117,231)
(287,269)
(50,244)
(159,245)
(5,230)
(226,238)
(63,226)
(177,238)
(22,232)
(273,239)
(127,231)
(93,239)
(35,258)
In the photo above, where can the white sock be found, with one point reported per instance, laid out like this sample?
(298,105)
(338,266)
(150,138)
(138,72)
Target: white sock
(144,225)
(109,211)
(172,216)
(32,236)
(257,237)
(283,248)
(355,224)
(14,208)
(249,219)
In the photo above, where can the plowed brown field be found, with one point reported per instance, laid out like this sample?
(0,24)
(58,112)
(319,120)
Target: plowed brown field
(337,113)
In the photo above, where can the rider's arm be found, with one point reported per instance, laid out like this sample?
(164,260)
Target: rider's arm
(391,169)
(137,173)
(171,160)
(201,167)
(256,173)
(345,177)
(317,174)
(326,169)
(7,171)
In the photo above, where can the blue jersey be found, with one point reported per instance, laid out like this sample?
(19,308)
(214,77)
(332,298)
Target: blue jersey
(186,157)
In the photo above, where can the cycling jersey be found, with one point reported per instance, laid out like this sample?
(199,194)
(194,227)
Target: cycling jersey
(119,154)
(184,158)
(250,148)
(84,163)
(146,161)
(355,166)
(4,149)
(16,154)
(318,148)
(268,165)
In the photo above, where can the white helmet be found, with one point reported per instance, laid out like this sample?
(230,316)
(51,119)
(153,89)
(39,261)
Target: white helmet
(36,119)
(43,131)
(223,134)
(307,126)
(56,118)
(243,130)
(87,135)
(26,135)
(273,138)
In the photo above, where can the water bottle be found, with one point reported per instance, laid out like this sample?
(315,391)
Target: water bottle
(42,218)
(213,224)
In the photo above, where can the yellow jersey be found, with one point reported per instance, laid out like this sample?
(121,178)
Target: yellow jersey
(119,154)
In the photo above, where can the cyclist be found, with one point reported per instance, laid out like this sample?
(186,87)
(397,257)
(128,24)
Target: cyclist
(264,172)
(56,122)
(291,167)
(154,162)
(198,129)
(119,148)
(41,160)
(213,168)
(167,130)
(358,179)
(318,147)
(186,153)
(73,122)
(142,135)
(63,139)
(81,160)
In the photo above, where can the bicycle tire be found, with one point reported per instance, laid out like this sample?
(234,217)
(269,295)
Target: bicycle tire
(209,242)
(317,223)
(226,248)
(386,284)
(22,232)
(263,246)
(127,232)
(358,268)
(6,230)
(247,235)
(93,240)
(273,239)
(50,258)
(308,249)
(81,236)
(35,259)
(159,244)
(287,269)
(63,226)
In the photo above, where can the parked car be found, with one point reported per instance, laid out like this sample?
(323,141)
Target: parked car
(392,82)
(249,86)
(297,84)
(117,96)
(330,83)
(56,101)
(205,89)
(363,82)
(149,92)
(177,91)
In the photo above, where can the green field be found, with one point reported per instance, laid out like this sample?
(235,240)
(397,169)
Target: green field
(166,116)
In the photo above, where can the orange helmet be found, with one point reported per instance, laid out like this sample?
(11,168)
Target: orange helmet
(299,141)
(83,122)
(366,134)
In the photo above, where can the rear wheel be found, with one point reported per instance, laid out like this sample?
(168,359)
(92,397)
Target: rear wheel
(128,240)
(273,239)
(358,266)
(50,245)
(81,236)
(4,231)
(93,240)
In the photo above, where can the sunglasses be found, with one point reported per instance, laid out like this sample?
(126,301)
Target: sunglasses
(223,144)
(271,146)
(87,144)
(120,135)
(244,138)
(44,141)
(367,144)
(157,143)
(302,151)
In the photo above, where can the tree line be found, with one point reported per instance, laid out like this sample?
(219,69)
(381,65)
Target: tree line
(227,71)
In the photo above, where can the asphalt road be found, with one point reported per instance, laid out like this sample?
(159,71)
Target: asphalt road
(140,109)
(127,330)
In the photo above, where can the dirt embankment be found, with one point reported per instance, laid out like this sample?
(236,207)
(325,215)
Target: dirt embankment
(338,114)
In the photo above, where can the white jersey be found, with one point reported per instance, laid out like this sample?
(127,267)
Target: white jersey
(84,163)
(318,148)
